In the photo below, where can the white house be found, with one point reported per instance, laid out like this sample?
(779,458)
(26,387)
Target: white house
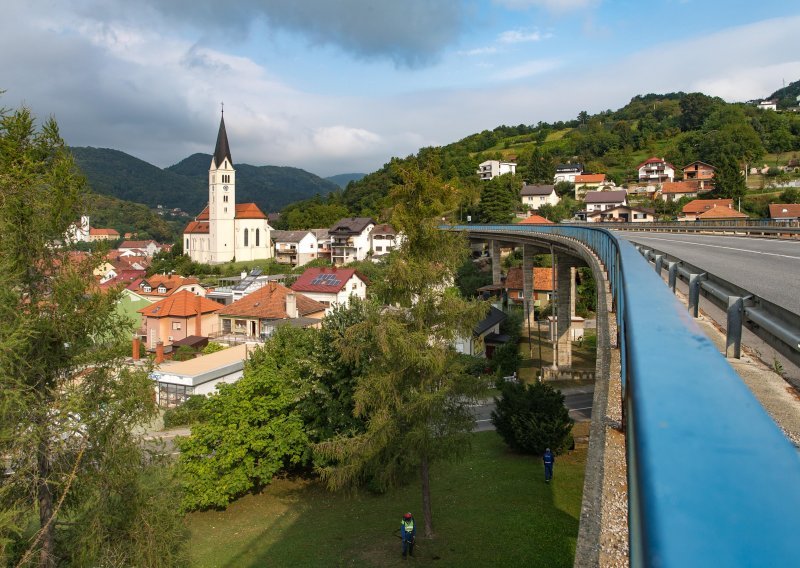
(768,105)
(350,239)
(332,286)
(225,230)
(534,196)
(138,248)
(295,248)
(485,336)
(384,239)
(656,170)
(493,168)
(567,172)
(622,214)
(603,200)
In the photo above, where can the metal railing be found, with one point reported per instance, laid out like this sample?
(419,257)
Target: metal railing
(712,481)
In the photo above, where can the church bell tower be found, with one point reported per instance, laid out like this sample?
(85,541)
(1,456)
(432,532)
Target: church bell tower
(222,200)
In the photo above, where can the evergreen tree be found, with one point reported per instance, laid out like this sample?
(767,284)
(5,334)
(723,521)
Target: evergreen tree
(728,180)
(499,199)
(415,388)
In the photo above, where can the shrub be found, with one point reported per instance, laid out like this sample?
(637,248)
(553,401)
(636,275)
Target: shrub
(190,412)
(531,418)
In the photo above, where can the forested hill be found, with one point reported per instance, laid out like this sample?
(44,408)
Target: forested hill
(681,127)
(185,185)
(343,179)
(788,96)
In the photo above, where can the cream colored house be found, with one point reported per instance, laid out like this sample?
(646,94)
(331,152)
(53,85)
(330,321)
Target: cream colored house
(534,196)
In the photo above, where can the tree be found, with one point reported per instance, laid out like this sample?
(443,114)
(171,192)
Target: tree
(729,182)
(531,418)
(415,388)
(68,405)
(695,108)
(790,195)
(499,199)
(539,167)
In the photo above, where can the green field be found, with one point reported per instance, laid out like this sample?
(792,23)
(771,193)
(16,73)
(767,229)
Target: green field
(491,509)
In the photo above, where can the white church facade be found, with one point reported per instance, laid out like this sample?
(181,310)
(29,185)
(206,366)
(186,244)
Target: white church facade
(224,230)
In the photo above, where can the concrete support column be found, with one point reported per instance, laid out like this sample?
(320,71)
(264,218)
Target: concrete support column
(564,287)
(496,263)
(527,279)
(573,294)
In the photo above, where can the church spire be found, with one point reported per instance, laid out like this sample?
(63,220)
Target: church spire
(222,150)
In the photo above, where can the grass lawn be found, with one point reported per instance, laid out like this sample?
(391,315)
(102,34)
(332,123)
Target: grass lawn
(491,509)
(583,356)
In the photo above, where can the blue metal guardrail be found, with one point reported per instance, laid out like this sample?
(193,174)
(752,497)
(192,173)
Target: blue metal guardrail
(712,481)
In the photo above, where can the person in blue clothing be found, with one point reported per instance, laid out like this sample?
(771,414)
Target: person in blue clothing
(549,459)
(408,532)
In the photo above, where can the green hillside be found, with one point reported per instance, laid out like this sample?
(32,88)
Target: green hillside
(788,96)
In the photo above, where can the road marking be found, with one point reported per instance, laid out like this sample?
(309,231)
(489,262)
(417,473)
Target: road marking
(584,408)
(484,420)
(720,246)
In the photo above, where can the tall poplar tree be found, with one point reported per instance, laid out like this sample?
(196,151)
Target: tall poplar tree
(68,406)
(414,389)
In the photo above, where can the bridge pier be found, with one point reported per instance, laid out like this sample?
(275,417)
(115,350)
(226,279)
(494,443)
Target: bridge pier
(565,309)
(494,247)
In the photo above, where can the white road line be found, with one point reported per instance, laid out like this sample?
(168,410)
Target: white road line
(584,408)
(484,420)
(720,247)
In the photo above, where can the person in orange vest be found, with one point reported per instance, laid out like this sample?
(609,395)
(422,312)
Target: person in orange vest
(408,532)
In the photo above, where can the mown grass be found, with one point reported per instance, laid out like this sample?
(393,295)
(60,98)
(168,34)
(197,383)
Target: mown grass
(491,509)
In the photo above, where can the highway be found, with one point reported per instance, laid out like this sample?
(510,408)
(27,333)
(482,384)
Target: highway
(766,267)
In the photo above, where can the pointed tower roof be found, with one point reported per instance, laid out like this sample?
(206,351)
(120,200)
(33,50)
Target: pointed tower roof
(222,149)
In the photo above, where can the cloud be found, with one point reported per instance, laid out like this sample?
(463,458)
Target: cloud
(556,6)
(478,51)
(343,140)
(522,36)
(527,69)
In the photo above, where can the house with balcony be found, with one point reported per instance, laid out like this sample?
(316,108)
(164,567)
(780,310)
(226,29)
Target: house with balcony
(233,288)
(567,172)
(350,239)
(323,243)
(383,240)
(177,317)
(492,168)
(534,196)
(257,315)
(294,248)
(656,170)
(332,286)
(701,173)
(585,183)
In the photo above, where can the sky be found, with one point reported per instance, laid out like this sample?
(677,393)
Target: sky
(339,86)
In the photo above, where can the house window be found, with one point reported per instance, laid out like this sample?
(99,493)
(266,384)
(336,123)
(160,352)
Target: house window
(258,237)
(162,290)
(240,326)
(378,249)
(176,326)
(245,237)
(147,289)
(519,294)
(226,325)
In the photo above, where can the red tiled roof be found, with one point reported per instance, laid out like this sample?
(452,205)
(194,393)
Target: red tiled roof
(698,162)
(671,187)
(309,281)
(269,302)
(183,304)
(203,216)
(784,210)
(243,211)
(135,244)
(535,220)
(196,227)
(171,283)
(542,278)
(700,205)
(590,178)
(722,213)
(109,232)
(655,161)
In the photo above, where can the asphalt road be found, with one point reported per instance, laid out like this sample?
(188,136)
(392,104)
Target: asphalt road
(766,267)
(578,400)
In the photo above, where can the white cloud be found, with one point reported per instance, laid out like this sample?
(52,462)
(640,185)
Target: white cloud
(343,140)
(527,69)
(522,36)
(555,6)
(478,51)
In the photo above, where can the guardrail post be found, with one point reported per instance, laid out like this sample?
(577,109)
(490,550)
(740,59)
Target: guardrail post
(735,318)
(673,275)
(694,293)
(659,263)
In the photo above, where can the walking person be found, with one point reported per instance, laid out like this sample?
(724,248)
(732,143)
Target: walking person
(549,459)
(408,532)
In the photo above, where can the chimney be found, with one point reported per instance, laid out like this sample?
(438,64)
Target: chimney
(159,352)
(198,320)
(291,306)
(135,347)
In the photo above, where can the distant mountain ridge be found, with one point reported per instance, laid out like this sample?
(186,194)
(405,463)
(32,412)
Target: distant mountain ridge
(185,184)
(343,179)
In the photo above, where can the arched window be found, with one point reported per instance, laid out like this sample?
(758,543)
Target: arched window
(187,244)
(258,237)
(245,237)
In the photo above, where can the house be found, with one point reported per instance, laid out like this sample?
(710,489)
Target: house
(350,239)
(675,190)
(602,200)
(383,240)
(535,220)
(588,182)
(656,170)
(258,314)
(492,168)
(767,105)
(234,288)
(700,172)
(145,248)
(160,286)
(176,317)
(643,189)
(85,233)
(485,336)
(784,211)
(534,196)
(323,243)
(722,214)
(694,208)
(623,214)
(542,285)
(295,248)
(102,235)
(567,172)
(178,380)
(225,230)
(332,286)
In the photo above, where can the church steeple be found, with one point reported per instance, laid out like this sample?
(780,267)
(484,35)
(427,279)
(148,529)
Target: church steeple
(222,151)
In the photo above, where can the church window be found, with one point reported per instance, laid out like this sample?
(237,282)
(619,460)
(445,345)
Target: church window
(245,237)
(226,210)
(225,198)
(187,244)
(258,237)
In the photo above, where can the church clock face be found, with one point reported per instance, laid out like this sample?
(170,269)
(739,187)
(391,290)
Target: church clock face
(225,187)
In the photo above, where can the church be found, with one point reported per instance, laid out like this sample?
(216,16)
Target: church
(225,231)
